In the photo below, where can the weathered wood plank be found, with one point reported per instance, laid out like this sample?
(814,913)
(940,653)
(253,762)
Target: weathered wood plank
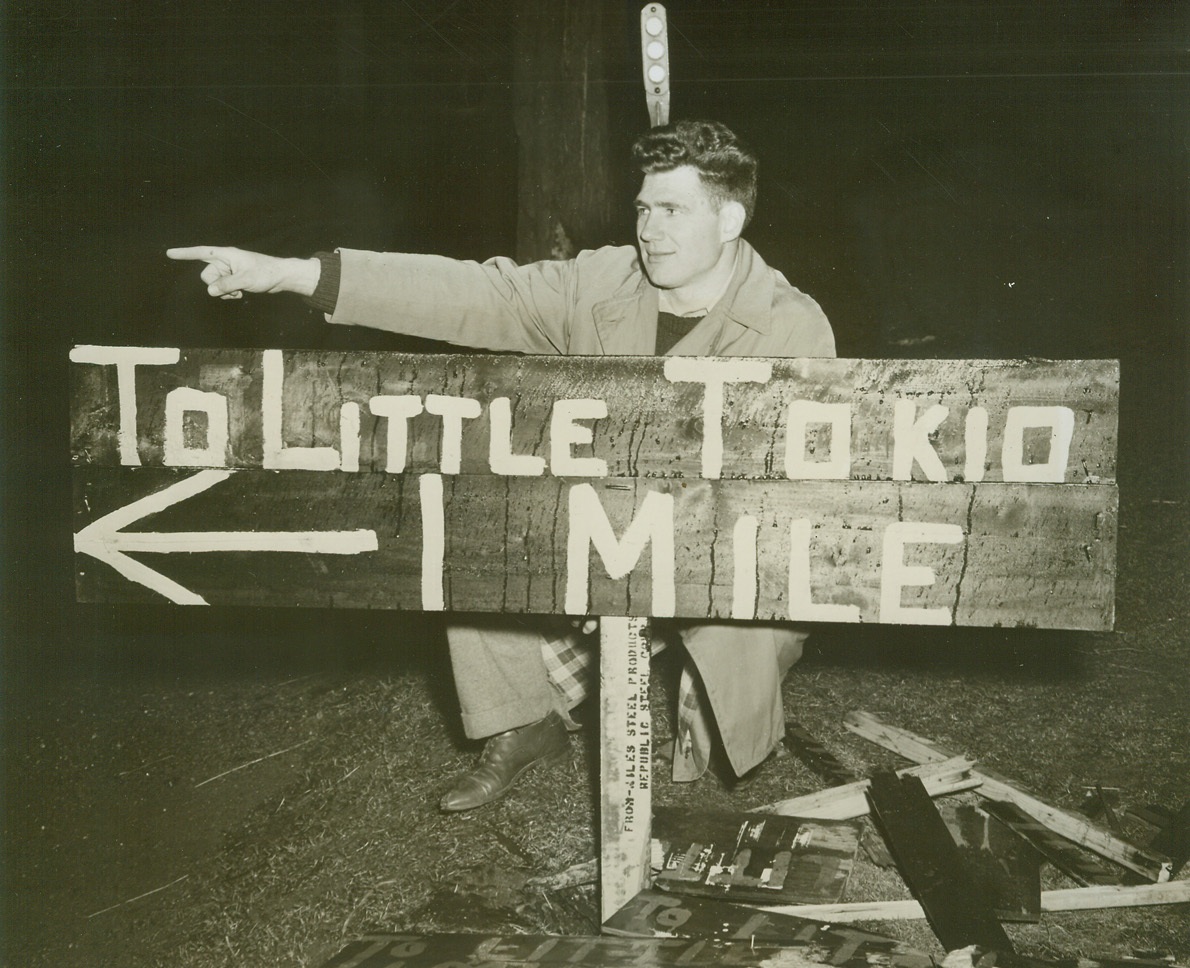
(850,800)
(1100,897)
(957,908)
(812,490)
(656,425)
(1022,555)
(626,764)
(1077,829)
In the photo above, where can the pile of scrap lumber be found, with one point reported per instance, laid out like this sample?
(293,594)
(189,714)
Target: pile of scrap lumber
(936,847)
(923,841)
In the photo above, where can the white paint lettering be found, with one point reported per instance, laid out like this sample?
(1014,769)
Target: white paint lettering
(837,466)
(653,524)
(975,444)
(565,434)
(349,437)
(276,455)
(911,441)
(501,459)
(714,374)
(398,410)
(181,401)
(802,607)
(1060,421)
(105,540)
(433,542)
(453,411)
(896,575)
(126,359)
(744,578)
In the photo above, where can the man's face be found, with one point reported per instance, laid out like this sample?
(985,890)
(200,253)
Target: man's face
(679,228)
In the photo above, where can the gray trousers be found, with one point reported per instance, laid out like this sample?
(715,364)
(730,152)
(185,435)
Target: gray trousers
(500,674)
(502,681)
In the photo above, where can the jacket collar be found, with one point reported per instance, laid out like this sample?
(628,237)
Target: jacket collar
(627,321)
(749,298)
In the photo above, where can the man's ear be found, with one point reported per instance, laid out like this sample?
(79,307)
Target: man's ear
(731,221)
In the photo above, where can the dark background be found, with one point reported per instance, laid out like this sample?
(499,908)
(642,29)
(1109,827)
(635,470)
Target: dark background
(977,179)
(983,179)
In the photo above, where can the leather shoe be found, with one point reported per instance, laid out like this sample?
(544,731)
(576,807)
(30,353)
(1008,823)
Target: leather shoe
(505,757)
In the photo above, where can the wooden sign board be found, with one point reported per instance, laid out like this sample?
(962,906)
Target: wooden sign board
(976,493)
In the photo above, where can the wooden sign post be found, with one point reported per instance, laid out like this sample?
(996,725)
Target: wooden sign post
(626,767)
(943,492)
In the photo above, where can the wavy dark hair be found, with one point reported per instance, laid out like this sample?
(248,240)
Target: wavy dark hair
(728,167)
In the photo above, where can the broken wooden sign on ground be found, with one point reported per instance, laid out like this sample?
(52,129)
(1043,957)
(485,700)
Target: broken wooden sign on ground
(512,951)
(750,857)
(959,901)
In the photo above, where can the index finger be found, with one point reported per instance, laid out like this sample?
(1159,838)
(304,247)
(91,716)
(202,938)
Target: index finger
(197,253)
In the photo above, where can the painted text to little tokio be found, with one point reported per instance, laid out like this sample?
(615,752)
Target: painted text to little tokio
(743,475)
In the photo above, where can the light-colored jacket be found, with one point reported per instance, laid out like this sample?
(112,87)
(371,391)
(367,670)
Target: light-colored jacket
(600,303)
(597,304)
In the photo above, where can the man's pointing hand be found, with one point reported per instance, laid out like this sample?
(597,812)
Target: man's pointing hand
(230,272)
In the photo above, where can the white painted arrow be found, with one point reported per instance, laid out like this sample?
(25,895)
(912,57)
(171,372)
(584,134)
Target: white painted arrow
(103,539)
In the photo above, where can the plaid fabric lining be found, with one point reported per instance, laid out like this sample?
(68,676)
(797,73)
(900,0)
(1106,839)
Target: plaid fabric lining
(692,746)
(569,662)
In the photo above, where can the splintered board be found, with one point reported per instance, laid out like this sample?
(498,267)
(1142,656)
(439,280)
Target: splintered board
(957,906)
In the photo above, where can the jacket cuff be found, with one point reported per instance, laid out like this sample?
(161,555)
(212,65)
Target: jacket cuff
(326,294)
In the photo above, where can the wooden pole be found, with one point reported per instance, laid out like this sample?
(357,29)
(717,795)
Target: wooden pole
(565,192)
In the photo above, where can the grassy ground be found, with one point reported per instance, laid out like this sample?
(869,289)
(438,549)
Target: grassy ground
(172,799)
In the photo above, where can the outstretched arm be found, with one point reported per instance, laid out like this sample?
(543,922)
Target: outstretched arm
(229,272)
(496,305)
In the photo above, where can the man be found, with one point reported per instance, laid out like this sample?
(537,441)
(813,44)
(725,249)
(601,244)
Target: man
(692,286)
